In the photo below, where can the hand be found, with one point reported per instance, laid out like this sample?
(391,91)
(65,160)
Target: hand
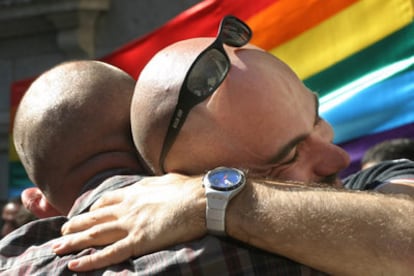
(147,216)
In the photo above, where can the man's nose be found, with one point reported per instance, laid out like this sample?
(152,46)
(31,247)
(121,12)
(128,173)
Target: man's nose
(333,160)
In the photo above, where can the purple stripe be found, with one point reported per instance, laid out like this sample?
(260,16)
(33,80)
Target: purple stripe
(357,147)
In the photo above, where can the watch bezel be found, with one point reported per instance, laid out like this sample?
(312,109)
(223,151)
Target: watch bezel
(240,174)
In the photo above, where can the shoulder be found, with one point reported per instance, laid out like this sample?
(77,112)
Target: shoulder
(29,242)
(99,187)
(211,255)
(387,172)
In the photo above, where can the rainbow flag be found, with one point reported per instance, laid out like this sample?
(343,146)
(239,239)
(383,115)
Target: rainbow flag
(358,55)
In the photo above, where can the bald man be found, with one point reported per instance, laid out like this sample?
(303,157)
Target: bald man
(70,127)
(281,134)
(259,117)
(72,133)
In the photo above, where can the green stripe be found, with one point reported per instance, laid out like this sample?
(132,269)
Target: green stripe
(18,176)
(395,47)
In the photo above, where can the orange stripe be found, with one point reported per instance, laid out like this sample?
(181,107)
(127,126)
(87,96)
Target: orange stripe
(286,19)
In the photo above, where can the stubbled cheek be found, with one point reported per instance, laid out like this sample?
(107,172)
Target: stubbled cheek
(294,172)
(260,172)
(282,173)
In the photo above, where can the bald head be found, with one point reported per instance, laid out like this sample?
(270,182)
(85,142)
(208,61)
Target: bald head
(219,130)
(73,123)
(156,94)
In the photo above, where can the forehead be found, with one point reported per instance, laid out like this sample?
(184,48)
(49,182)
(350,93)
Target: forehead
(264,102)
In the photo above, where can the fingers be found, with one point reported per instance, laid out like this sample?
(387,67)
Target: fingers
(109,198)
(88,220)
(113,254)
(98,235)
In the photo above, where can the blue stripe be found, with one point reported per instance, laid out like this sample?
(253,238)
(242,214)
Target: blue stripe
(382,106)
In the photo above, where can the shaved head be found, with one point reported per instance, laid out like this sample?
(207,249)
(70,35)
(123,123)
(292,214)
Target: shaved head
(156,95)
(73,123)
(261,118)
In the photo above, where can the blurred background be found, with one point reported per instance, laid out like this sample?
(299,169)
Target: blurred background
(38,34)
(358,55)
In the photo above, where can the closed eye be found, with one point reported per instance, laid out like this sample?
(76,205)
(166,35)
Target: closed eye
(293,159)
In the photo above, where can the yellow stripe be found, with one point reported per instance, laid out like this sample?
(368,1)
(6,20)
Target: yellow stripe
(12,151)
(344,34)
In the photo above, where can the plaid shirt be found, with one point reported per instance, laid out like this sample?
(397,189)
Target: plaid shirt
(27,251)
(381,174)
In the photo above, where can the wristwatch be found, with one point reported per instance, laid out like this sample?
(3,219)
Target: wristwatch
(221,185)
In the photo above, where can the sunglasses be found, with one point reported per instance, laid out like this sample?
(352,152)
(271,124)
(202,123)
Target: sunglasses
(205,75)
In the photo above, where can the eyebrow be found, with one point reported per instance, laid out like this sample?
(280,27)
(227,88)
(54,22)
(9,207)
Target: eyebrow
(293,143)
(317,117)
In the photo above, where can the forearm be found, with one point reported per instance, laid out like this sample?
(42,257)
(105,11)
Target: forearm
(339,232)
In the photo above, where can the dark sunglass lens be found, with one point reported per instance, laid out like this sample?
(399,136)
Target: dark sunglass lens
(234,32)
(207,73)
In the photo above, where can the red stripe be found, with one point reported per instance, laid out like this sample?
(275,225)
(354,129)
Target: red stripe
(200,20)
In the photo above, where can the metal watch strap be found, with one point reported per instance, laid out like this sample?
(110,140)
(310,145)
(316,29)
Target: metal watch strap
(216,223)
(218,197)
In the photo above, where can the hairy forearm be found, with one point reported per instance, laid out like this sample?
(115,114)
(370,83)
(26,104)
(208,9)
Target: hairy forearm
(339,232)
(336,231)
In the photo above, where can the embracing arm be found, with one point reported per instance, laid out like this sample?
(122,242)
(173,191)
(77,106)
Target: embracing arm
(336,231)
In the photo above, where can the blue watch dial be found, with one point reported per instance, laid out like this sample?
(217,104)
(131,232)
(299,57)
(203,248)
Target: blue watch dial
(225,179)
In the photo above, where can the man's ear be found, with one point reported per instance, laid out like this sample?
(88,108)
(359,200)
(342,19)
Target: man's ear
(35,201)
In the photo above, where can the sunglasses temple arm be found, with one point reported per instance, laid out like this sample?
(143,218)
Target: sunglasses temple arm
(177,121)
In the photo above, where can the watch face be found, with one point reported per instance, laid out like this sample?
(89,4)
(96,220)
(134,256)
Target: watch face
(225,179)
